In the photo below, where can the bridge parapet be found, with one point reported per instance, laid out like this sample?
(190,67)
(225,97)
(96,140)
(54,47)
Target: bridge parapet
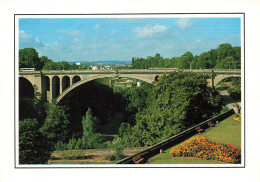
(123,71)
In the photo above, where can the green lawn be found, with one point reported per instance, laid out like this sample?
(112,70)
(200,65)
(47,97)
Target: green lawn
(227,131)
(166,158)
(182,161)
(77,162)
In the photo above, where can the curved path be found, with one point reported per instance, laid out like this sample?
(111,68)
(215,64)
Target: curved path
(229,101)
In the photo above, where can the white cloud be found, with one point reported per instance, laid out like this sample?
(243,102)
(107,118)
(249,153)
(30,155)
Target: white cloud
(113,32)
(23,35)
(183,23)
(37,40)
(70,33)
(27,40)
(96,26)
(150,31)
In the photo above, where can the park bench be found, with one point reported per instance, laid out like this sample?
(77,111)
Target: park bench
(210,124)
(137,159)
(199,130)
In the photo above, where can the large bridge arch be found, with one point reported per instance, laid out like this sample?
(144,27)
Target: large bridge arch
(219,78)
(26,98)
(29,78)
(26,89)
(88,79)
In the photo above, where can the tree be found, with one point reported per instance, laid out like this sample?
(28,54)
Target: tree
(90,139)
(28,58)
(34,147)
(56,124)
(185,60)
(47,63)
(206,60)
(180,100)
(237,55)
(203,61)
(228,63)
(138,97)
(224,50)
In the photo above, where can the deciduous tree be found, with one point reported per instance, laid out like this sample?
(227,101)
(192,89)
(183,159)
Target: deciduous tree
(34,147)
(28,58)
(56,124)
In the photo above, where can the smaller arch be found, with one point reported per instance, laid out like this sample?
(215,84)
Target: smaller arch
(220,78)
(46,88)
(156,78)
(55,87)
(75,79)
(65,82)
(47,83)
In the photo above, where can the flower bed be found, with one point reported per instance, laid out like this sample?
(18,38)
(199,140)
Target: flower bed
(237,119)
(205,148)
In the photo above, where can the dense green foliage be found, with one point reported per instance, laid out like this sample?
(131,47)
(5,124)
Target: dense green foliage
(34,148)
(89,140)
(137,97)
(56,124)
(63,65)
(29,58)
(108,106)
(179,100)
(224,57)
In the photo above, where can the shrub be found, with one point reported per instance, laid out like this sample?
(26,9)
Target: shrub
(117,143)
(60,146)
(72,144)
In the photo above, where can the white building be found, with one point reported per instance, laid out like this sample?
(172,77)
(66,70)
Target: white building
(94,67)
(138,84)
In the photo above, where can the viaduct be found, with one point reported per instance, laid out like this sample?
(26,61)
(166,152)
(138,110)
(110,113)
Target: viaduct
(57,84)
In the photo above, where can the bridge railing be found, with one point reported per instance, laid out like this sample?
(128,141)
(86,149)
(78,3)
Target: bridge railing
(140,71)
(27,69)
(155,149)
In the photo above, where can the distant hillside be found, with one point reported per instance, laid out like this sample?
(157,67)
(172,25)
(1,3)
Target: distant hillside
(101,62)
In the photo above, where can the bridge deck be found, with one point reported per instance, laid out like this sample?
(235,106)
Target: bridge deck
(132,71)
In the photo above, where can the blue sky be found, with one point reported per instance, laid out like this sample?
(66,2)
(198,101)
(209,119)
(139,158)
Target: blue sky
(102,39)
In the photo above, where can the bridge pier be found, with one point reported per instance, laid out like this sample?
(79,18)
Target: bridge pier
(60,86)
(70,80)
(50,88)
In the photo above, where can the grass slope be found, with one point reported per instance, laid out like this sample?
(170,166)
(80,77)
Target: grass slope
(227,131)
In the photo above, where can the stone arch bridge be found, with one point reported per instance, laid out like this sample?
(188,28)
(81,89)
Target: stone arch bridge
(57,84)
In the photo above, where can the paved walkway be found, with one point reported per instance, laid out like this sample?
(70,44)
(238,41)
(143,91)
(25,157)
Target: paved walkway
(229,101)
